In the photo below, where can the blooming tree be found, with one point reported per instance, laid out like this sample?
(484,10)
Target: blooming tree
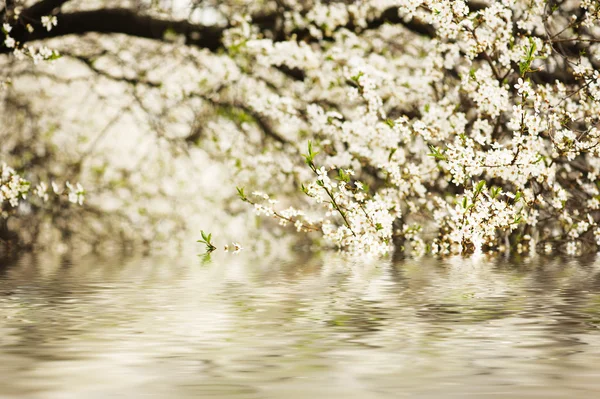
(440,126)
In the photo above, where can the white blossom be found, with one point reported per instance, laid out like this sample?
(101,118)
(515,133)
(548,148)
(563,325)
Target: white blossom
(49,21)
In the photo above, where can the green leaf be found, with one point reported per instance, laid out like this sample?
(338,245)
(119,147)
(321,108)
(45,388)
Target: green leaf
(479,187)
(55,55)
(523,68)
(392,152)
(495,191)
(518,196)
(435,152)
(311,154)
(357,77)
(206,240)
(241,194)
(532,48)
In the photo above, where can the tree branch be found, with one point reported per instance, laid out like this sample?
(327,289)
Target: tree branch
(124,21)
(131,23)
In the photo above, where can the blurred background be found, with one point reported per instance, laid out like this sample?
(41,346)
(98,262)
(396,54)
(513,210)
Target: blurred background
(149,107)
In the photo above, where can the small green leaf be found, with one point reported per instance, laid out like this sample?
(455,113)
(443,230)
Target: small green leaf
(523,67)
(241,194)
(206,240)
(55,56)
(343,176)
(392,152)
(532,48)
(357,77)
(435,152)
(495,191)
(311,154)
(518,196)
(479,187)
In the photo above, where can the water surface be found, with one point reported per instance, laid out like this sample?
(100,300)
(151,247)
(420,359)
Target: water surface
(316,328)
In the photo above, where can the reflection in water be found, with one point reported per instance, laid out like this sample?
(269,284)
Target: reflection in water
(234,328)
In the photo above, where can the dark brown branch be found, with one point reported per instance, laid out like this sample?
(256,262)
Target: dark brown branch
(132,23)
(127,22)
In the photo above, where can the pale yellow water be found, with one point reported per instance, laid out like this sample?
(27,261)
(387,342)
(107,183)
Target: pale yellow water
(319,328)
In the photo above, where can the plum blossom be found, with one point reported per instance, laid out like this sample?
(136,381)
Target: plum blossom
(49,21)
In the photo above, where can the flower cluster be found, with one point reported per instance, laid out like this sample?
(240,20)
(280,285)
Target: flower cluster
(440,126)
(22,51)
(49,21)
(442,144)
(12,186)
